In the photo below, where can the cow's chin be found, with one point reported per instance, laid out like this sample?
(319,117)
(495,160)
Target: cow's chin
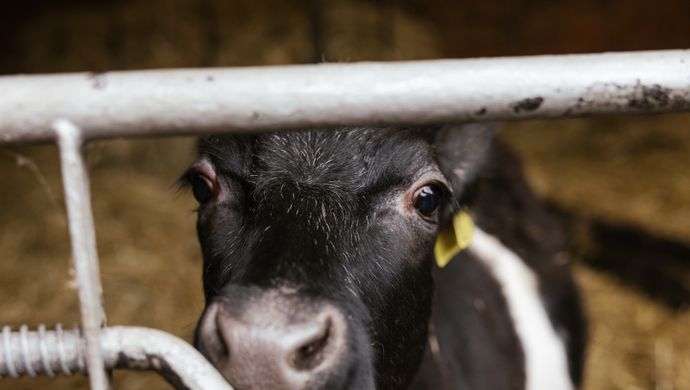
(264,339)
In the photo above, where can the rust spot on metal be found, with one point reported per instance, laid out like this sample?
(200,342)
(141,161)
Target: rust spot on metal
(637,97)
(97,80)
(527,105)
(650,97)
(167,372)
(151,362)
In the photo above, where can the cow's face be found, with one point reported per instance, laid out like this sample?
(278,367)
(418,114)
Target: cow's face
(317,255)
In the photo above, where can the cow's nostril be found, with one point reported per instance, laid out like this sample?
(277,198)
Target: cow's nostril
(211,340)
(320,347)
(309,355)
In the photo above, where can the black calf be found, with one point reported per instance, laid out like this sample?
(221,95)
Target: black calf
(318,260)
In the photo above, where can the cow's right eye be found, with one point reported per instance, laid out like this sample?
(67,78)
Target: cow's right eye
(202,188)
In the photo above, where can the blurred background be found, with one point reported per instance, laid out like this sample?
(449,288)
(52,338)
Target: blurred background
(620,184)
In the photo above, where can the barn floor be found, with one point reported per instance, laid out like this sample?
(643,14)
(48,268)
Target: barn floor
(627,170)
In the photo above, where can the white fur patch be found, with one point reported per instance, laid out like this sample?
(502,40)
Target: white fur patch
(546,365)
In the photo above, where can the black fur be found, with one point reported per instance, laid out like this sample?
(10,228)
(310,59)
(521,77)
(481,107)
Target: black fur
(479,347)
(324,212)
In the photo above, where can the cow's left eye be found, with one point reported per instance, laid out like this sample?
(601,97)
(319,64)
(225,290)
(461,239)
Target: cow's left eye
(427,200)
(202,188)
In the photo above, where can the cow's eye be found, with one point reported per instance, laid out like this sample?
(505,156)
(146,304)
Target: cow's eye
(202,188)
(427,200)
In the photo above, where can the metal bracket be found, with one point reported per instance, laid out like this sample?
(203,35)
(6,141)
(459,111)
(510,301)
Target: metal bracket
(44,352)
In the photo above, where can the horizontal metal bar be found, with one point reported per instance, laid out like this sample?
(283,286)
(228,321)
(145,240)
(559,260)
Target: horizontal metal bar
(45,352)
(169,102)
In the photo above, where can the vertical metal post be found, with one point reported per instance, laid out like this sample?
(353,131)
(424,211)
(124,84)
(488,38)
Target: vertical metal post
(75,181)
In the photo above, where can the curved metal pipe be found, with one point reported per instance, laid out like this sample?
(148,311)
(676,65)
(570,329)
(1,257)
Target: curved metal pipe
(137,348)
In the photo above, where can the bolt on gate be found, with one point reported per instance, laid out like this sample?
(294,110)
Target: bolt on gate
(72,109)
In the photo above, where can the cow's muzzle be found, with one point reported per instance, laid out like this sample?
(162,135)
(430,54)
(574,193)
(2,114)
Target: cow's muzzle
(275,342)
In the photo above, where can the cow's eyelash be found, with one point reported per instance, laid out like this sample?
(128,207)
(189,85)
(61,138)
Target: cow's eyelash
(183,182)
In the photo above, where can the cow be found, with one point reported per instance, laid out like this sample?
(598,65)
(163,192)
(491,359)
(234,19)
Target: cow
(320,272)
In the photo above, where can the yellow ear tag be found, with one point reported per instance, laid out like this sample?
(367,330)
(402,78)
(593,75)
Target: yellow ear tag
(453,239)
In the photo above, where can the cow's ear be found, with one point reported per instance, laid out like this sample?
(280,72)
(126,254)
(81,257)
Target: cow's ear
(462,150)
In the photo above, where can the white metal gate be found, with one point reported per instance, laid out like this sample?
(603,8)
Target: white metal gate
(72,109)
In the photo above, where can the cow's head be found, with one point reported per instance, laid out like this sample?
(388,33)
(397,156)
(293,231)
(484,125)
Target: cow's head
(318,252)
